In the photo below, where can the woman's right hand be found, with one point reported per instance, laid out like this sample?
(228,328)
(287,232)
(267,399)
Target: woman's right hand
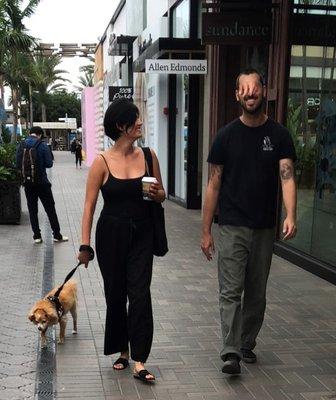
(84,258)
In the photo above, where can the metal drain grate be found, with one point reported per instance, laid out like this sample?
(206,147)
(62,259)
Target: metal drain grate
(41,395)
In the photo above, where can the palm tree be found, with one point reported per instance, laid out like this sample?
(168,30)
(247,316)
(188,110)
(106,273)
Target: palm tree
(26,81)
(14,40)
(46,77)
(3,26)
(86,80)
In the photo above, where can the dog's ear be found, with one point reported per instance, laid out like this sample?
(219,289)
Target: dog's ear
(31,317)
(31,314)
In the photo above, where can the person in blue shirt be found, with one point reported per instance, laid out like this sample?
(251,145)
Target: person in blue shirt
(41,190)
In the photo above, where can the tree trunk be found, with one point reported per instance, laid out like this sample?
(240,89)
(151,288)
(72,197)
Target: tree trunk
(31,114)
(2,104)
(15,113)
(44,112)
(2,88)
(27,115)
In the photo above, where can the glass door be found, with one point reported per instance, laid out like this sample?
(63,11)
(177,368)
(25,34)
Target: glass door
(181,136)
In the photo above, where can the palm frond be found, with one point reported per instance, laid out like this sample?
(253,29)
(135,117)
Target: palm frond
(30,8)
(57,86)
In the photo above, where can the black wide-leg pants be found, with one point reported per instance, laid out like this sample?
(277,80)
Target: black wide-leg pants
(124,249)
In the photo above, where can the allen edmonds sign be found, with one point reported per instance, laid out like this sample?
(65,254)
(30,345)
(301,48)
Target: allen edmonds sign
(176,66)
(236,29)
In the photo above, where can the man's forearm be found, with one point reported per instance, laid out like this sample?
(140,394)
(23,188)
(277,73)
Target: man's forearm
(209,208)
(289,197)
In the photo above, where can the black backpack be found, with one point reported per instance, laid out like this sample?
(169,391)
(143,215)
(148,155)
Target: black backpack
(29,170)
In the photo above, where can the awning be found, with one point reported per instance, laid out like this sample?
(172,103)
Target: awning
(120,45)
(165,47)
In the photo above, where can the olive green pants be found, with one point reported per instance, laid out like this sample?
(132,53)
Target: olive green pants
(244,260)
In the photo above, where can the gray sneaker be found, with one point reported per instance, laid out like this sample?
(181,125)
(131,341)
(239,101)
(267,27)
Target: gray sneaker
(231,364)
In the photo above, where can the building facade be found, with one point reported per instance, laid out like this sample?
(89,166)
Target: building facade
(292,42)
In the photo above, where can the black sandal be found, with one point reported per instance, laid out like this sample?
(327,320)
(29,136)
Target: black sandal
(123,361)
(142,376)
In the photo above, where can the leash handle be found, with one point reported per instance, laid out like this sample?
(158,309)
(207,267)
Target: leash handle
(57,293)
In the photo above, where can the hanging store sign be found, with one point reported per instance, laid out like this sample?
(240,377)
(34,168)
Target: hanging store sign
(119,92)
(310,29)
(176,66)
(236,29)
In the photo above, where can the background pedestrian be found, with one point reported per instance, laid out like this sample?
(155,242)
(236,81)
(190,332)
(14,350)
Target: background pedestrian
(78,154)
(39,187)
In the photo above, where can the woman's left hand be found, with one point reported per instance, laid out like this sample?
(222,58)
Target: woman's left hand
(155,192)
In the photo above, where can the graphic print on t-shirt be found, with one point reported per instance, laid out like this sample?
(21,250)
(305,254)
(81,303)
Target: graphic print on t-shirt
(267,145)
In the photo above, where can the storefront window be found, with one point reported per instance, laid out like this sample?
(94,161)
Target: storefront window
(311,120)
(181,20)
(316,3)
(181,139)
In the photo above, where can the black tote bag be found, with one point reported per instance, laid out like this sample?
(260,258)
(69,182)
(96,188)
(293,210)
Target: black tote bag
(160,245)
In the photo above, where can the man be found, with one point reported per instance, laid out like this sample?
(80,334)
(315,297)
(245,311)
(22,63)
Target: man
(42,189)
(245,161)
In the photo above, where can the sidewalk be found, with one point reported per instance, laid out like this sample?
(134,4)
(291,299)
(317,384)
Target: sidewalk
(296,348)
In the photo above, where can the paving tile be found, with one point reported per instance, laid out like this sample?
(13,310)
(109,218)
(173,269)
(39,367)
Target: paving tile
(296,346)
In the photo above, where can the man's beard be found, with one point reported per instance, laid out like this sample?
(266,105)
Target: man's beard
(256,110)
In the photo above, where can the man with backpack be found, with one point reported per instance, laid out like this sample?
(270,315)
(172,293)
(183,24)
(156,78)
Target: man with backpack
(33,157)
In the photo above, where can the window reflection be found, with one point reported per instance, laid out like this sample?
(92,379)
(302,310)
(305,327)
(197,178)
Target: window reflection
(311,119)
(181,20)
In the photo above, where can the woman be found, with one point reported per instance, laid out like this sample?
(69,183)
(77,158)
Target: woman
(124,237)
(78,154)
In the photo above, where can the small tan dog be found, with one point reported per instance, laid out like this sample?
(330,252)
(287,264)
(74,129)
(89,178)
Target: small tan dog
(44,313)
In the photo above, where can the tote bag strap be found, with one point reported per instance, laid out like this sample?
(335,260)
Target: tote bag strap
(148,160)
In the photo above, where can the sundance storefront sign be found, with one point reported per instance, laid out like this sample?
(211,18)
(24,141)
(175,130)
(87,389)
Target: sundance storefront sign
(235,28)
(176,66)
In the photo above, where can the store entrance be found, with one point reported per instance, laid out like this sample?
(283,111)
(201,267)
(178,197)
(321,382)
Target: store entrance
(185,139)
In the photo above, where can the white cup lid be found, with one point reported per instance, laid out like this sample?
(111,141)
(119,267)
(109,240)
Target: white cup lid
(149,179)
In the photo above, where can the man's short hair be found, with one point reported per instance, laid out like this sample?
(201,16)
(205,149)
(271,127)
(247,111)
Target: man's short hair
(37,130)
(250,71)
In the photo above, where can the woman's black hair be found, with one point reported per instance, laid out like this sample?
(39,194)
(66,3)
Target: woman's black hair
(122,113)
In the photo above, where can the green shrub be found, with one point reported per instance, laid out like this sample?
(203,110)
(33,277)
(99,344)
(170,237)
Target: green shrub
(5,133)
(8,170)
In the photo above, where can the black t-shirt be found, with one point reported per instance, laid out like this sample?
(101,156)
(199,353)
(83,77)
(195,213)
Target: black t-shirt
(250,179)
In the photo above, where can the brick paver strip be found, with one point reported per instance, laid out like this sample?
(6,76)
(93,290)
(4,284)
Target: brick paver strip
(21,266)
(296,348)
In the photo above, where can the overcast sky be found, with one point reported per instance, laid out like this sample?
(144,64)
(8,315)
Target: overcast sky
(71,21)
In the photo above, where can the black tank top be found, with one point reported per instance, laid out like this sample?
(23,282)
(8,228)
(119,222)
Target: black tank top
(123,197)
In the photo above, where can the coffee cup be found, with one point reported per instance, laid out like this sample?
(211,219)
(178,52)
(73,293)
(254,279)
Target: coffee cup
(146,182)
